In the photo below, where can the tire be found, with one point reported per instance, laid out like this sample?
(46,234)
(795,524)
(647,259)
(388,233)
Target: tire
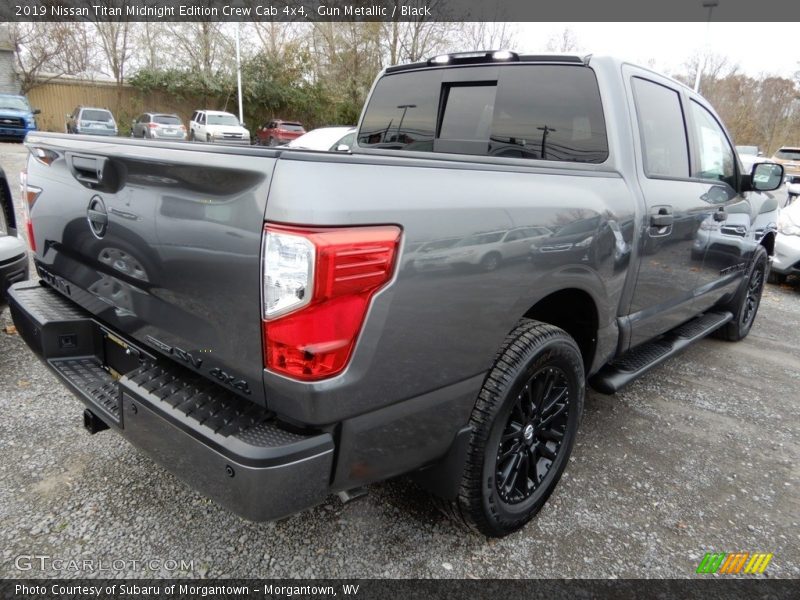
(537,363)
(491,261)
(271,141)
(745,303)
(191,135)
(776,278)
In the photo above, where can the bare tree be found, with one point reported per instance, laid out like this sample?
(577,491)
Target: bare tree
(204,46)
(47,51)
(150,46)
(415,39)
(487,36)
(279,37)
(116,46)
(564,41)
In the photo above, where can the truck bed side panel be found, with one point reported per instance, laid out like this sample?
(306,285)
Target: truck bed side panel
(445,316)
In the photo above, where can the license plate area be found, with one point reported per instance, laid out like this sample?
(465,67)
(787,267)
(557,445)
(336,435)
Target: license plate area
(120,357)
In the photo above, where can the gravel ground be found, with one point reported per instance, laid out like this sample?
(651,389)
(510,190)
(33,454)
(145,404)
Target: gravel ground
(699,455)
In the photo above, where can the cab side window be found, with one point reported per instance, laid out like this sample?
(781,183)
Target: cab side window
(715,158)
(662,129)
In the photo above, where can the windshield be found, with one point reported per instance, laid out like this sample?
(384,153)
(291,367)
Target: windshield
(223,120)
(167,119)
(13,102)
(788,154)
(97,115)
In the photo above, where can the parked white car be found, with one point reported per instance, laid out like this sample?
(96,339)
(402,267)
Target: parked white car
(485,250)
(334,139)
(13,251)
(216,126)
(786,260)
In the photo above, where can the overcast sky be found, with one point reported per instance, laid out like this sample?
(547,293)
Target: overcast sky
(756,47)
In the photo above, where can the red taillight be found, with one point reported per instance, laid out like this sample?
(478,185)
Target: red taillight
(29,196)
(152,125)
(346,267)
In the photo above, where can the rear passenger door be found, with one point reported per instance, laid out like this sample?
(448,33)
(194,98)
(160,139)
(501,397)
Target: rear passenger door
(669,257)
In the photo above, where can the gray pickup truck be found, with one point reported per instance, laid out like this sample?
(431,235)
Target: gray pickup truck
(275,325)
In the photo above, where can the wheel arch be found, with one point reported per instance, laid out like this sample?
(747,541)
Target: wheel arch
(575,311)
(768,241)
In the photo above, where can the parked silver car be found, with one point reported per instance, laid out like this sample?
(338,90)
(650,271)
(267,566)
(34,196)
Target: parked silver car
(91,121)
(158,126)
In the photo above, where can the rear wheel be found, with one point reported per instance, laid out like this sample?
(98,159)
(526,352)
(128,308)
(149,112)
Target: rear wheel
(745,303)
(490,262)
(271,141)
(191,135)
(524,426)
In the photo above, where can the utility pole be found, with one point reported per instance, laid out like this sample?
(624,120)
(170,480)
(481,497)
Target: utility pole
(239,75)
(709,4)
(545,130)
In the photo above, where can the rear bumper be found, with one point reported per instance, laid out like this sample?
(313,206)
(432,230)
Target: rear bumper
(229,449)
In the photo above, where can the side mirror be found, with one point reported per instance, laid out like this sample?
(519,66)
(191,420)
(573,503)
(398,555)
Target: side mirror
(343,148)
(766,176)
(37,111)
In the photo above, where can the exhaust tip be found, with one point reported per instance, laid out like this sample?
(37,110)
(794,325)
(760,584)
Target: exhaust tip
(92,423)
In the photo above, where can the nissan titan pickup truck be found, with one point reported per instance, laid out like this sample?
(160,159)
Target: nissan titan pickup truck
(274,326)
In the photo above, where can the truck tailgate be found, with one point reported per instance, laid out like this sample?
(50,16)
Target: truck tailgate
(161,242)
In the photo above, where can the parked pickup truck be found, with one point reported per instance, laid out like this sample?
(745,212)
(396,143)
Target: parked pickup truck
(241,314)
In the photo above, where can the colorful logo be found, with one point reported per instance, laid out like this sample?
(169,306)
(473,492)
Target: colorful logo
(733,563)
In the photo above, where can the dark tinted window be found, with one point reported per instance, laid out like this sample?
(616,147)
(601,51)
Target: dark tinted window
(402,112)
(662,129)
(167,119)
(291,127)
(97,115)
(468,112)
(532,111)
(551,113)
(788,154)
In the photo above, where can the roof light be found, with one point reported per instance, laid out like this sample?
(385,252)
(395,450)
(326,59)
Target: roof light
(503,55)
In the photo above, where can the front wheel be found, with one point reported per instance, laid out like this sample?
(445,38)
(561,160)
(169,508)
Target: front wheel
(745,303)
(524,426)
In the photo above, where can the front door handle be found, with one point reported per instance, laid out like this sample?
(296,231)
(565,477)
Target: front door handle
(662,219)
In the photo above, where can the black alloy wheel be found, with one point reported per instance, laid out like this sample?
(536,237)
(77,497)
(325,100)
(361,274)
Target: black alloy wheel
(524,425)
(533,435)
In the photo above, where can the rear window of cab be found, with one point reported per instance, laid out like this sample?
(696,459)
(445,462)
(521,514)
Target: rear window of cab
(544,112)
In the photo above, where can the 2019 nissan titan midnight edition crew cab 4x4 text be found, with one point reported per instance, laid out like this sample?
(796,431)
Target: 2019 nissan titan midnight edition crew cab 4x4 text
(246,317)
